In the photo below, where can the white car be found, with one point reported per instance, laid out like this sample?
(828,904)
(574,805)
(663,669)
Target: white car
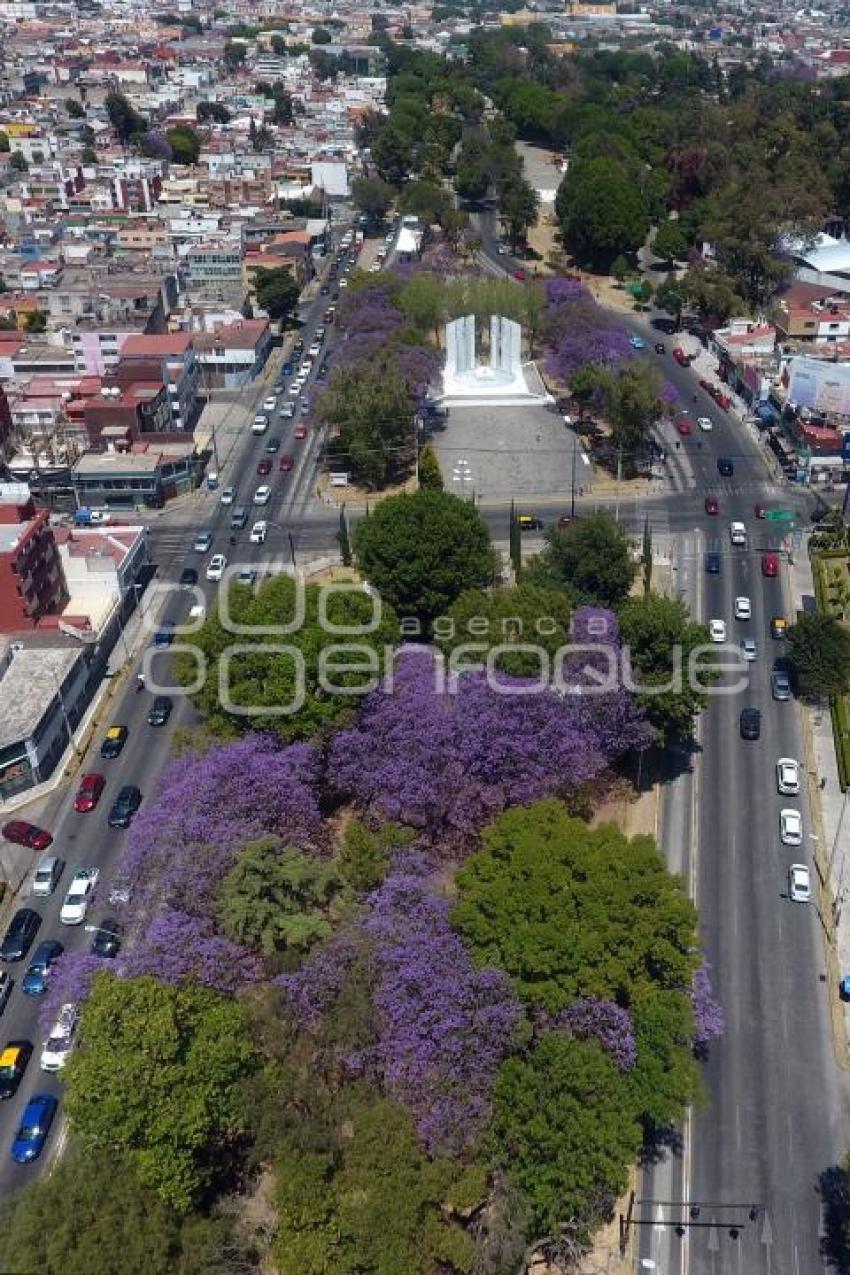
(270,403)
(287,411)
(258,533)
(295,388)
(79,896)
(749,649)
(738,533)
(717,630)
(216,567)
(788,776)
(46,876)
(705,424)
(262,495)
(791,827)
(799,883)
(315,349)
(60,1042)
(743,609)
(228,495)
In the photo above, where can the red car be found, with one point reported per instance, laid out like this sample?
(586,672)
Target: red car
(286,463)
(711,505)
(27,834)
(264,467)
(759,511)
(681,357)
(769,564)
(521,275)
(88,793)
(707,386)
(300,432)
(683,425)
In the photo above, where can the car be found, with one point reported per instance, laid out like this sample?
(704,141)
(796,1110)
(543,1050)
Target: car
(306,407)
(287,411)
(788,776)
(320,336)
(258,533)
(778,627)
(324,290)
(262,495)
(759,511)
(725,467)
(46,876)
(738,533)
(203,541)
(681,357)
(44,958)
(160,710)
(107,937)
(520,275)
(287,368)
(19,935)
(749,649)
(790,827)
(705,424)
(306,368)
(88,793)
(769,565)
(79,896)
(780,685)
(27,834)
(637,342)
(706,385)
(298,346)
(239,518)
(34,1128)
(750,723)
(6,985)
(264,467)
(713,563)
(660,347)
(315,349)
(125,805)
(295,389)
(711,505)
(61,1039)
(246,575)
(287,462)
(188,576)
(743,609)
(228,495)
(164,635)
(717,630)
(799,883)
(300,432)
(273,446)
(14,1058)
(328,316)
(216,567)
(528,522)
(683,425)
(270,403)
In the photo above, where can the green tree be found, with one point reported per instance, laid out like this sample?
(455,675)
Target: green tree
(277,293)
(124,120)
(668,297)
(75,109)
(427,200)
(169,1114)
(585,386)
(660,636)
(711,293)
(186,145)
(519,205)
(215,111)
(4,143)
(364,856)
(35,321)
(424,300)
(372,412)
(620,269)
(421,551)
(88,155)
(430,474)
(602,212)
(321,36)
(283,112)
(820,649)
(278,900)
(472,180)
(593,557)
(392,155)
(669,243)
(235,53)
(18,161)
(632,396)
(91,1213)
(503,618)
(373,196)
(257,677)
(564,1133)
(278,44)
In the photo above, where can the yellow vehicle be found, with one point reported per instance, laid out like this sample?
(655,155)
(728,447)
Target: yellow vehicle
(527,522)
(778,626)
(114,741)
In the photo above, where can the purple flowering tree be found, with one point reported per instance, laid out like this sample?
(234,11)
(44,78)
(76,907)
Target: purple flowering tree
(314,988)
(184,841)
(178,948)
(592,1017)
(449,763)
(709,1022)
(70,982)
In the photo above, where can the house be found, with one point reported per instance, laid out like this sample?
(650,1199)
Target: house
(169,359)
(235,353)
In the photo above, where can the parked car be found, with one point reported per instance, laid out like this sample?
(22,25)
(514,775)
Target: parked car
(125,806)
(799,883)
(79,896)
(44,958)
(88,793)
(107,937)
(788,776)
(790,827)
(34,1128)
(46,876)
(160,710)
(19,935)
(27,834)
(13,1063)
(61,1039)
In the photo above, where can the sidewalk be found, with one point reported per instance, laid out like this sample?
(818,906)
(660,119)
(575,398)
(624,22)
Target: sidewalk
(827,805)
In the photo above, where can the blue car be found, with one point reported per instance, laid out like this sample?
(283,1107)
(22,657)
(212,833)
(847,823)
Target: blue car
(637,343)
(36,977)
(38,1116)
(287,369)
(164,636)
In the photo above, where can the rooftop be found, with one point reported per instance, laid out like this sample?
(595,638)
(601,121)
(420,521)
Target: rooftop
(29,684)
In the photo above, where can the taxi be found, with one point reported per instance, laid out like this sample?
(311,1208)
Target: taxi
(13,1064)
(778,626)
(114,741)
(527,522)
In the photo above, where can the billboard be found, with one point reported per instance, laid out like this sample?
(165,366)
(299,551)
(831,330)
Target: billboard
(820,386)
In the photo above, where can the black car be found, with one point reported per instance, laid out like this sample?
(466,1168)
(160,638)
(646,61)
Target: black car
(14,1057)
(125,806)
(160,710)
(273,446)
(750,723)
(660,347)
(106,939)
(725,466)
(23,928)
(188,576)
(712,563)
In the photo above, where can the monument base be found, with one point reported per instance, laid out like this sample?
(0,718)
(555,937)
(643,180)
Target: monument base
(485,386)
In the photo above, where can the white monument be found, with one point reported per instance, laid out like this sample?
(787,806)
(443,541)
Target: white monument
(500,381)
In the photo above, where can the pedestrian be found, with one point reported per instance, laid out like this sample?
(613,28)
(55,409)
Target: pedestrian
(823,783)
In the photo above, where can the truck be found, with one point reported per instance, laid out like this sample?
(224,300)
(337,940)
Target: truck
(85,517)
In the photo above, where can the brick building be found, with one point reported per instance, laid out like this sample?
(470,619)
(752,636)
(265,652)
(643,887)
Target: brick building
(32,581)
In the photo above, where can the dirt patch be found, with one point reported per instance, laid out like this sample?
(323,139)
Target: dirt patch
(359,496)
(635,813)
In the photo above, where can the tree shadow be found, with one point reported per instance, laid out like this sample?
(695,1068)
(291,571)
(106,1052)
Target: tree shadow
(834,1190)
(659,1142)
